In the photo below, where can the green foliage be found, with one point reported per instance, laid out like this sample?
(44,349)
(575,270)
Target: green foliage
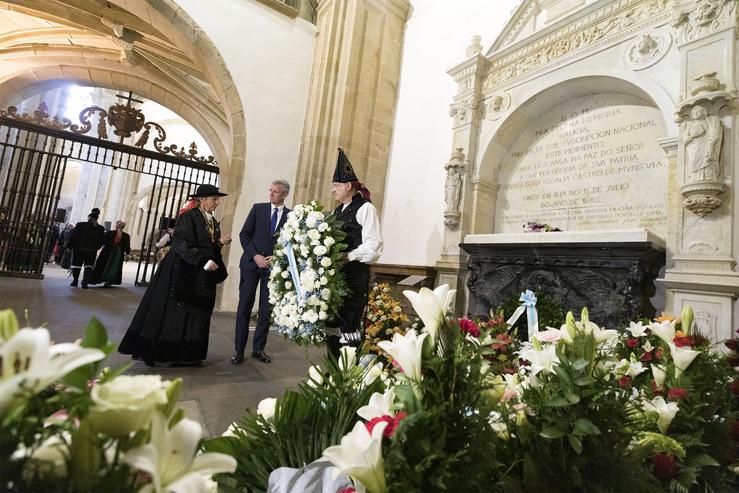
(307,420)
(549,313)
(447,444)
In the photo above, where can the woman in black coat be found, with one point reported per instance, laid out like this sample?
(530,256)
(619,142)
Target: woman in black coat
(172,323)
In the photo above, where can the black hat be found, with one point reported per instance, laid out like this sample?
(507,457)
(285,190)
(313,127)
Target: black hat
(94,213)
(208,191)
(344,173)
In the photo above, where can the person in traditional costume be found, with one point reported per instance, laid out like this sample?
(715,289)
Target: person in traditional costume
(109,264)
(364,240)
(172,322)
(85,240)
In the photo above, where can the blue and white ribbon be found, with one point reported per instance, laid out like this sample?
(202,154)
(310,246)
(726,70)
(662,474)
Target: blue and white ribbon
(528,300)
(294,271)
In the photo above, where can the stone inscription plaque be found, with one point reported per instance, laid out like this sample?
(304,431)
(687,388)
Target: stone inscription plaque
(592,163)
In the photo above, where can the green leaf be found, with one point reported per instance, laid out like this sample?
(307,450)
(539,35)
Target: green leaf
(95,335)
(84,457)
(584,427)
(571,397)
(580,364)
(552,432)
(703,460)
(531,479)
(557,402)
(584,380)
(575,443)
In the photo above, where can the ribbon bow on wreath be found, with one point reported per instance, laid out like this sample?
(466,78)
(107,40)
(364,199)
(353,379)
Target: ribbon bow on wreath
(528,300)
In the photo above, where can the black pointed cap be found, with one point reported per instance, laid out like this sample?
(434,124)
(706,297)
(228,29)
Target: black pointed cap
(94,213)
(344,173)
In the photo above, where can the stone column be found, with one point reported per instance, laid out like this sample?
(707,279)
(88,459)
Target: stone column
(466,112)
(353,94)
(704,244)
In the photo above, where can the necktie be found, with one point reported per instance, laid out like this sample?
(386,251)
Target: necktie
(273,222)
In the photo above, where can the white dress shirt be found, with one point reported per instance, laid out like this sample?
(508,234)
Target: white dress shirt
(371,248)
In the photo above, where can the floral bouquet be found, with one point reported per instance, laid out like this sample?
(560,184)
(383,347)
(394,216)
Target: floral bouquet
(384,319)
(66,425)
(306,285)
(534,227)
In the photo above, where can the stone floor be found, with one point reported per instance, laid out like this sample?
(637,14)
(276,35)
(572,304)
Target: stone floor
(215,394)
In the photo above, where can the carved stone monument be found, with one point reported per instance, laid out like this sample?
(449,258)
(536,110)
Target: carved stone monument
(599,116)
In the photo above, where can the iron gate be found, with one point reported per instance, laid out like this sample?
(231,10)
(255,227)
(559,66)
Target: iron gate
(34,150)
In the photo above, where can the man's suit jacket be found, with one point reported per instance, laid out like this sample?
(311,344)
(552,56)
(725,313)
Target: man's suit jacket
(255,235)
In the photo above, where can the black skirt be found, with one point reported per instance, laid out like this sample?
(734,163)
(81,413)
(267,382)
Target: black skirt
(172,322)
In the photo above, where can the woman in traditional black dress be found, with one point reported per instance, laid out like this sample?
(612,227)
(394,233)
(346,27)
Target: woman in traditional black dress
(172,323)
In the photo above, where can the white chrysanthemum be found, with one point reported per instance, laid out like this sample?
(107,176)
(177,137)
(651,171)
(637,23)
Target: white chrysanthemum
(320,250)
(326,262)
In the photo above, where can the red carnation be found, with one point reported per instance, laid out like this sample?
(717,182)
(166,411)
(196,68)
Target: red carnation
(624,382)
(632,343)
(501,346)
(732,344)
(658,354)
(348,489)
(646,357)
(468,326)
(683,341)
(677,393)
(392,423)
(664,466)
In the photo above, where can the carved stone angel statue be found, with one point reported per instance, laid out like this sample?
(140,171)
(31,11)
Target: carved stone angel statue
(703,137)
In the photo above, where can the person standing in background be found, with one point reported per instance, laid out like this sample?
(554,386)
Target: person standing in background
(109,264)
(84,241)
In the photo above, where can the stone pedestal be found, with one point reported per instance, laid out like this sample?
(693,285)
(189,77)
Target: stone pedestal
(610,272)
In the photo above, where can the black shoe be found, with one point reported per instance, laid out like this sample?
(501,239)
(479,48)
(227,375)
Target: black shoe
(261,356)
(237,358)
(74,284)
(84,285)
(107,285)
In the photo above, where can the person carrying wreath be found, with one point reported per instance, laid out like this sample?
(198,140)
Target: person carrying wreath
(364,247)
(172,322)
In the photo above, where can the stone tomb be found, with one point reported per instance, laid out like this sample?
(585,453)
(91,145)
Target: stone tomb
(612,273)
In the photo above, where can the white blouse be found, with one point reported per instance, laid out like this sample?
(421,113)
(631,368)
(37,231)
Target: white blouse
(371,248)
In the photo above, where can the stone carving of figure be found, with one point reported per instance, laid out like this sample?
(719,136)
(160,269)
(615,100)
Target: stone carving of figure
(453,188)
(644,49)
(703,136)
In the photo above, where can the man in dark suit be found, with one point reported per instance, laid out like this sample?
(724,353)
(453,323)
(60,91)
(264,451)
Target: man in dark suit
(258,238)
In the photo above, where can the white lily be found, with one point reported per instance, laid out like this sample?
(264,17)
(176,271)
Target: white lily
(666,411)
(543,360)
(360,456)
(170,458)
(664,330)
(659,374)
(347,358)
(406,350)
(431,306)
(28,362)
(682,357)
(636,329)
(315,376)
(630,368)
(647,346)
(373,373)
(600,334)
(379,405)
(266,408)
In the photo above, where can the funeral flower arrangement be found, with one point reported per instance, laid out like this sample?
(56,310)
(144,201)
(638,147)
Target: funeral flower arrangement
(66,425)
(305,283)
(384,319)
(467,407)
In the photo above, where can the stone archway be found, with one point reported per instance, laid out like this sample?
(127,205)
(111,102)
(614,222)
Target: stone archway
(152,48)
(559,158)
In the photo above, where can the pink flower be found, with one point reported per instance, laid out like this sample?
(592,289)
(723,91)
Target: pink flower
(468,326)
(348,489)
(392,423)
(631,342)
(677,393)
(624,382)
